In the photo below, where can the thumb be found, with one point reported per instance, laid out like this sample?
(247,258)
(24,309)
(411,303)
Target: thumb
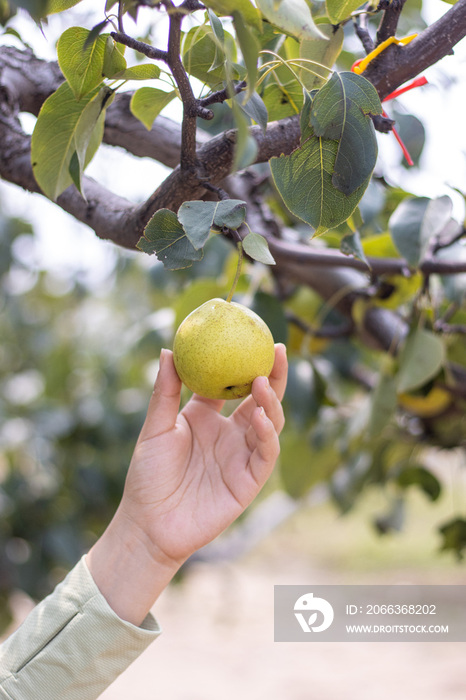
(165,400)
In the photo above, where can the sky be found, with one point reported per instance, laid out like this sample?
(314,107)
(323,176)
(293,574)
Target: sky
(64,245)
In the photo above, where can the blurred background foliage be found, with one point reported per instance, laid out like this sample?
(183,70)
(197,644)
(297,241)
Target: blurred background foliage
(77,362)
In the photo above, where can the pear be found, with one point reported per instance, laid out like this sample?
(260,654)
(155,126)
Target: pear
(220,348)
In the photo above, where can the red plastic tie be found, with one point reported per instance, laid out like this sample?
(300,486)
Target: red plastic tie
(418,82)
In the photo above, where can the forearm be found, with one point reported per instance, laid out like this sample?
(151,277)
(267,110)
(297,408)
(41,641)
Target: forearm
(72,645)
(126,569)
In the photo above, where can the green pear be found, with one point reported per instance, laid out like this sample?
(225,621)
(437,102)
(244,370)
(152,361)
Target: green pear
(220,348)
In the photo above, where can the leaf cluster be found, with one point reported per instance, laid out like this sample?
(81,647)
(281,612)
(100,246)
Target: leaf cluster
(178,239)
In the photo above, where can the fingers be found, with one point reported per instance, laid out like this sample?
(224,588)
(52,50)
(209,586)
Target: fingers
(264,395)
(267,447)
(165,399)
(276,388)
(277,379)
(279,373)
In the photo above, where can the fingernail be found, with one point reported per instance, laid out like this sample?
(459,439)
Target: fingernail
(160,368)
(262,413)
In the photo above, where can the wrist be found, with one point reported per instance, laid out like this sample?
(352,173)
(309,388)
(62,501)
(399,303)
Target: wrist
(128,570)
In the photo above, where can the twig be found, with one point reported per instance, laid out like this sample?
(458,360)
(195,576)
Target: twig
(239,266)
(140,46)
(190,105)
(340,331)
(396,64)
(301,253)
(221,194)
(362,32)
(222,95)
(440,244)
(443,327)
(192,108)
(190,6)
(389,23)
(382,124)
(120,17)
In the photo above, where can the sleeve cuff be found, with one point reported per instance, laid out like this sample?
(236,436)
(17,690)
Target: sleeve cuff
(72,644)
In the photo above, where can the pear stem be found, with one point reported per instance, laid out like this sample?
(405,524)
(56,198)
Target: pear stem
(239,245)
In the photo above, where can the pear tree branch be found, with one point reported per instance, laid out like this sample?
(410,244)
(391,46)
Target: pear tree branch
(214,159)
(390,18)
(26,81)
(192,107)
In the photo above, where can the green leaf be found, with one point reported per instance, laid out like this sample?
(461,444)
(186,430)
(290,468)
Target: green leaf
(437,216)
(217,27)
(202,53)
(94,34)
(198,218)
(350,479)
(305,117)
(230,213)
(338,10)
(246,145)
(341,110)
(454,285)
(301,467)
(257,248)
(255,109)
(320,51)
(59,127)
(36,8)
(114,61)
(304,180)
(292,17)
(82,67)
(405,226)
(420,476)
(282,100)
(415,222)
(89,129)
(228,7)
(305,390)
(411,130)
(165,236)
(383,404)
(454,536)
(144,71)
(54,6)
(249,48)
(75,171)
(147,103)
(9,31)
(420,360)
(351,245)
(393,519)
(306,460)
(271,310)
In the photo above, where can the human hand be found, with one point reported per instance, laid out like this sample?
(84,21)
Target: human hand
(192,474)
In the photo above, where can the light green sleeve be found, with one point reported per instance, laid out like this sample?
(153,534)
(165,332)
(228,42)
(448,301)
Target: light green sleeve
(72,645)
